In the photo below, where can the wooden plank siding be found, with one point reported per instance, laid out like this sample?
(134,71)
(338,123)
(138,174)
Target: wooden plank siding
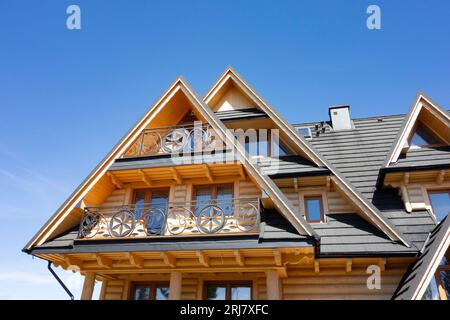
(300,284)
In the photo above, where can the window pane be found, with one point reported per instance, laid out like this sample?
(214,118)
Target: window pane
(441,204)
(241,293)
(423,137)
(313,209)
(139,204)
(214,292)
(141,293)
(202,198)
(432,292)
(158,208)
(251,145)
(445,279)
(162,293)
(225,198)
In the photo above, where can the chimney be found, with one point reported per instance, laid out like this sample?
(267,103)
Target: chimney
(340,118)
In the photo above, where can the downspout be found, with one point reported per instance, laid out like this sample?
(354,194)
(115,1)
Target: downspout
(59,280)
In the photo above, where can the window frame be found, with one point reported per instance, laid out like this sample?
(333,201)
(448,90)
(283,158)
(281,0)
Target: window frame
(413,132)
(269,152)
(322,211)
(153,285)
(213,190)
(435,191)
(437,277)
(228,286)
(149,194)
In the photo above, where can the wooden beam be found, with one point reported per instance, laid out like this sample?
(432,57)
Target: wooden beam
(406,178)
(144,178)
(273,285)
(88,286)
(277,257)
(348,265)
(242,172)
(296,184)
(115,181)
(441,176)
(175,285)
(70,261)
(316,266)
(103,261)
(136,260)
(203,258)
(176,176)
(169,259)
(208,173)
(240,259)
(328,185)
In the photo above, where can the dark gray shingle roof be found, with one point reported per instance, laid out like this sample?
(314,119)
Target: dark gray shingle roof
(418,270)
(359,155)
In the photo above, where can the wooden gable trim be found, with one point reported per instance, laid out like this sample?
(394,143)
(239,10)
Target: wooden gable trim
(431,268)
(180,84)
(420,101)
(370,211)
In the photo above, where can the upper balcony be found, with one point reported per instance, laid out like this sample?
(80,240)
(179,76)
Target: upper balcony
(212,217)
(171,140)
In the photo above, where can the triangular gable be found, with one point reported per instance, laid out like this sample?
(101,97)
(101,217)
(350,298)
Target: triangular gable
(424,110)
(204,112)
(305,149)
(419,275)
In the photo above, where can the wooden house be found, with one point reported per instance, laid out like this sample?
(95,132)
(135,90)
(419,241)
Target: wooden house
(221,198)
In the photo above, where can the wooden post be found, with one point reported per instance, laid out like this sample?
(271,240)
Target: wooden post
(175,285)
(88,286)
(273,285)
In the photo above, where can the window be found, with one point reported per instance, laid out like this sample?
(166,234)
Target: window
(220,195)
(150,291)
(305,132)
(314,209)
(152,204)
(439,287)
(264,143)
(440,202)
(423,137)
(228,291)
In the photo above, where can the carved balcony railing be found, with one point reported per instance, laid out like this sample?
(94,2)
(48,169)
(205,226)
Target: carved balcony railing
(170,140)
(213,217)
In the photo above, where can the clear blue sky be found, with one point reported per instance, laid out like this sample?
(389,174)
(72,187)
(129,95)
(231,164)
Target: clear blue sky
(67,96)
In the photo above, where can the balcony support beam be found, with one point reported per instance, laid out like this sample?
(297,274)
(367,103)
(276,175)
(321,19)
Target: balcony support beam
(136,260)
(103,261)
(169,259)
(240,259)
(203,258)
(144,178)
(176,176)
(208,173)
(114,180)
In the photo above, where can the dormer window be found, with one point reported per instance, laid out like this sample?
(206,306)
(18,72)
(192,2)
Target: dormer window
(314,209)
(422,137)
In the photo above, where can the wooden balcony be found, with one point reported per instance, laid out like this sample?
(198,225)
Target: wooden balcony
(214,217)
(173,140)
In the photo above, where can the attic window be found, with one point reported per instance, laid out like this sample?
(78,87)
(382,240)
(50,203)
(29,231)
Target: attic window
(314,209)
(305,132)
(422,137)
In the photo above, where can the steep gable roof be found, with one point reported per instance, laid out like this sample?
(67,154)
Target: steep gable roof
(180,85)
(305,149)
(418,277)
(422,106)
